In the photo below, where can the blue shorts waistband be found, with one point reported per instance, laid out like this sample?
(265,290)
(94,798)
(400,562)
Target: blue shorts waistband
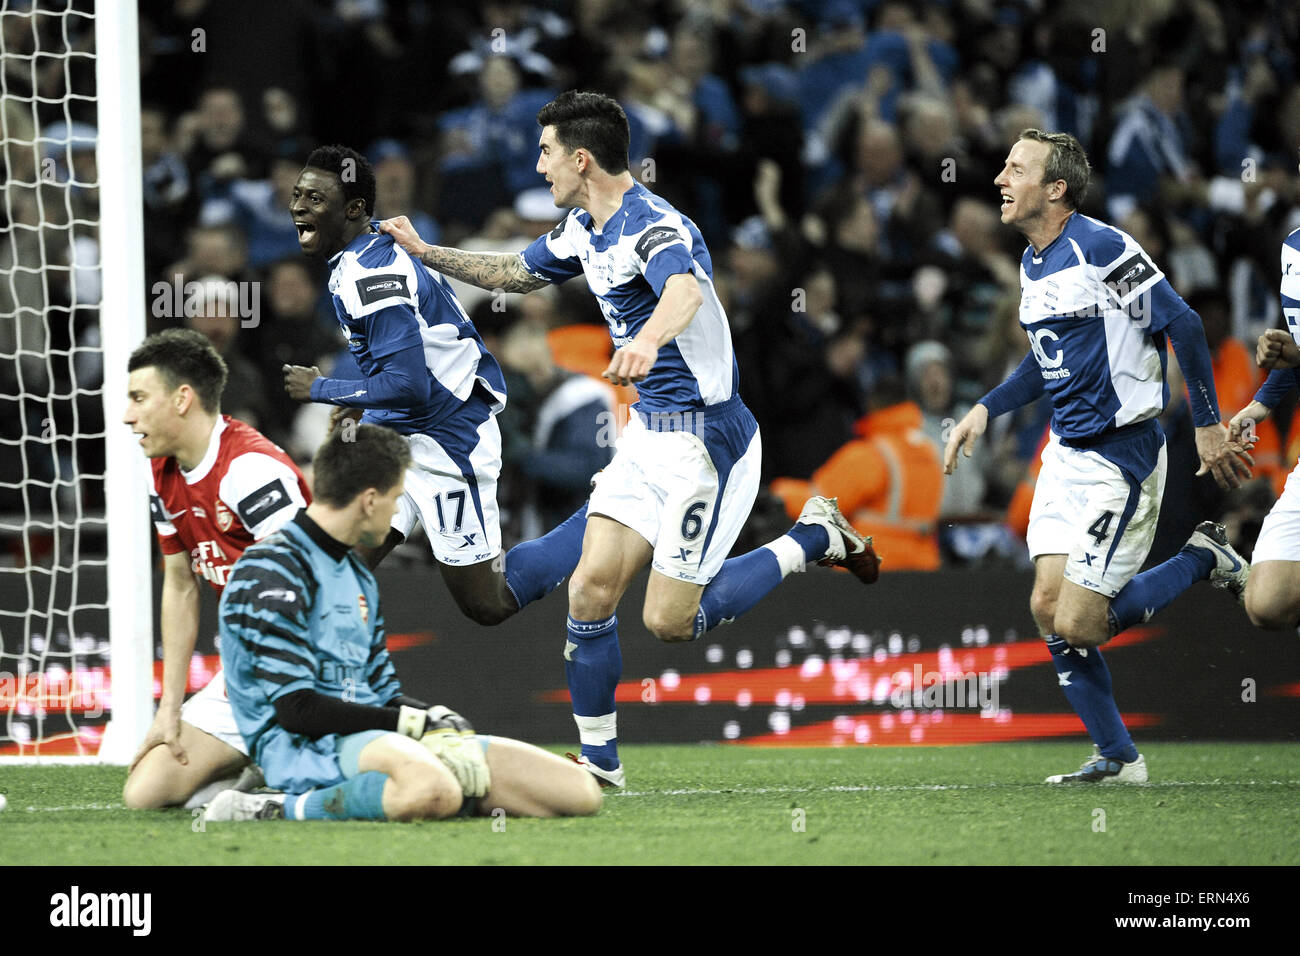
(689,419)
(1149,426)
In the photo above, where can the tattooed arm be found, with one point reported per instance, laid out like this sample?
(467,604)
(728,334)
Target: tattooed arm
(487,270)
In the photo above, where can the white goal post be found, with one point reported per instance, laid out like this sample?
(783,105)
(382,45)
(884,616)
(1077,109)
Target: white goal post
(76,594)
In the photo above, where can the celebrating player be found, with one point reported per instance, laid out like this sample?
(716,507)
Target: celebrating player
(1273,591)
(217,485)
(318,701)
(1097,311)
(429,377)
(686,469)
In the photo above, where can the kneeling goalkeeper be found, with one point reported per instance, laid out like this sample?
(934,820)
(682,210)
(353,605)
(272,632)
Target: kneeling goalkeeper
(314,691)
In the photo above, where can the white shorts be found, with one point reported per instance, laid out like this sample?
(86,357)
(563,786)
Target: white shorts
(1279,536)
(451,489)
(209,711)
(686,489)
(1104,520)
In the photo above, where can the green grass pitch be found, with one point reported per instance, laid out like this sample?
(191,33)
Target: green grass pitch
(1208,803)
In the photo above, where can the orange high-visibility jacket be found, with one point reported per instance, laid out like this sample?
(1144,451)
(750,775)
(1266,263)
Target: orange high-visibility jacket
(889,484)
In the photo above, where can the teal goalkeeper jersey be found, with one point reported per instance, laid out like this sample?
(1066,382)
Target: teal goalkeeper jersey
(300,612)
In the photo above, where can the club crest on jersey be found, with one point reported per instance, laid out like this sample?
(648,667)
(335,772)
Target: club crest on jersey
(364,608)
(224,517)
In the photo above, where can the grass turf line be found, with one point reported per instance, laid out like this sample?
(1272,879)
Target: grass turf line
(1208,803)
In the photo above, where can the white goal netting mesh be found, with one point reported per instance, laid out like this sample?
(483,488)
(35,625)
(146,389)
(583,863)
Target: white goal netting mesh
(54,643)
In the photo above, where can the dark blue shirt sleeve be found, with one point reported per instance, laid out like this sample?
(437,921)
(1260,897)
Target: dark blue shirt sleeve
(1280,381)
(400,381)
(1022,386)
(1188,339)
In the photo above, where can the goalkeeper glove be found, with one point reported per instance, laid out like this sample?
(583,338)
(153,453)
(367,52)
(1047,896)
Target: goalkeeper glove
(449,737)
(464,757)
(415,723)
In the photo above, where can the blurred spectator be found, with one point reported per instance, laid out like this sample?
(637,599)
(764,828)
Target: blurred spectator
(889,482)
(395,188)
(292,330)
(170,203)
(217,144)
(212,250)
(245,395)
(1236,376)
(930,383)
(489,148)
(1151,141)
(259,208)
(561,427)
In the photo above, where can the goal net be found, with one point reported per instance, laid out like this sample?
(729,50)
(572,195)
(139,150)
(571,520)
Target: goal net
(76,641)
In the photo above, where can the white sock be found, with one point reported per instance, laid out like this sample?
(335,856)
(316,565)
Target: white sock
(597,731)
(789,554)
(205,794)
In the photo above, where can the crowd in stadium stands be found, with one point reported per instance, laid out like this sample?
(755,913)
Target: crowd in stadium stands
(838,156)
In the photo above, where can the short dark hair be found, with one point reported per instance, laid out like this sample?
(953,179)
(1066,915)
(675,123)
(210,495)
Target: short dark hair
(1065,160)
(184,357)
(589,121)
(357,457)
(354,171)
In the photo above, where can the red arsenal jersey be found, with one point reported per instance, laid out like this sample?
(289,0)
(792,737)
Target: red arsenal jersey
(244,489)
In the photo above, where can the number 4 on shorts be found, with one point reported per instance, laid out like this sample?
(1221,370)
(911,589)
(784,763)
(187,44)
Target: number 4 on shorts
(1100,529)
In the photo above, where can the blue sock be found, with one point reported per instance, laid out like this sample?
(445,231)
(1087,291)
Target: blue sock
(744,581)
(361,798)
(739,585)
(1086,681)
(812,538)
(1154,590)
(535,568)
(593,664)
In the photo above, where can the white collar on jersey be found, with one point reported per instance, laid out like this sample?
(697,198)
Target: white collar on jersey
(209,457)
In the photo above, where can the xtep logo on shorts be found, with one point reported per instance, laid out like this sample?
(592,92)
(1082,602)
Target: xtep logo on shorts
(77,909)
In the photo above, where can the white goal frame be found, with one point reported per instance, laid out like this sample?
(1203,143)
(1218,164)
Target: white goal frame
(122,312)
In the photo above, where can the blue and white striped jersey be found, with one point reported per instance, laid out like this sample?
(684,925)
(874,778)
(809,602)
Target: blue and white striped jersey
(1280,380)
(627,263)
(1291,283)
(387,303)
(295,616)
(1094,306)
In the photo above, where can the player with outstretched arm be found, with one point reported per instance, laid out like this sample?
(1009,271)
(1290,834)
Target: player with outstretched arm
(1097,312)
(216,486)
(1273,592)
(685,471)
(313,688)
(429,377)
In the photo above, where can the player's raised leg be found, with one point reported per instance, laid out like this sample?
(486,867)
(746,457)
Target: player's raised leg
(821,535)
(1273,595)
(612,554)
(529,782)
(451,489)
